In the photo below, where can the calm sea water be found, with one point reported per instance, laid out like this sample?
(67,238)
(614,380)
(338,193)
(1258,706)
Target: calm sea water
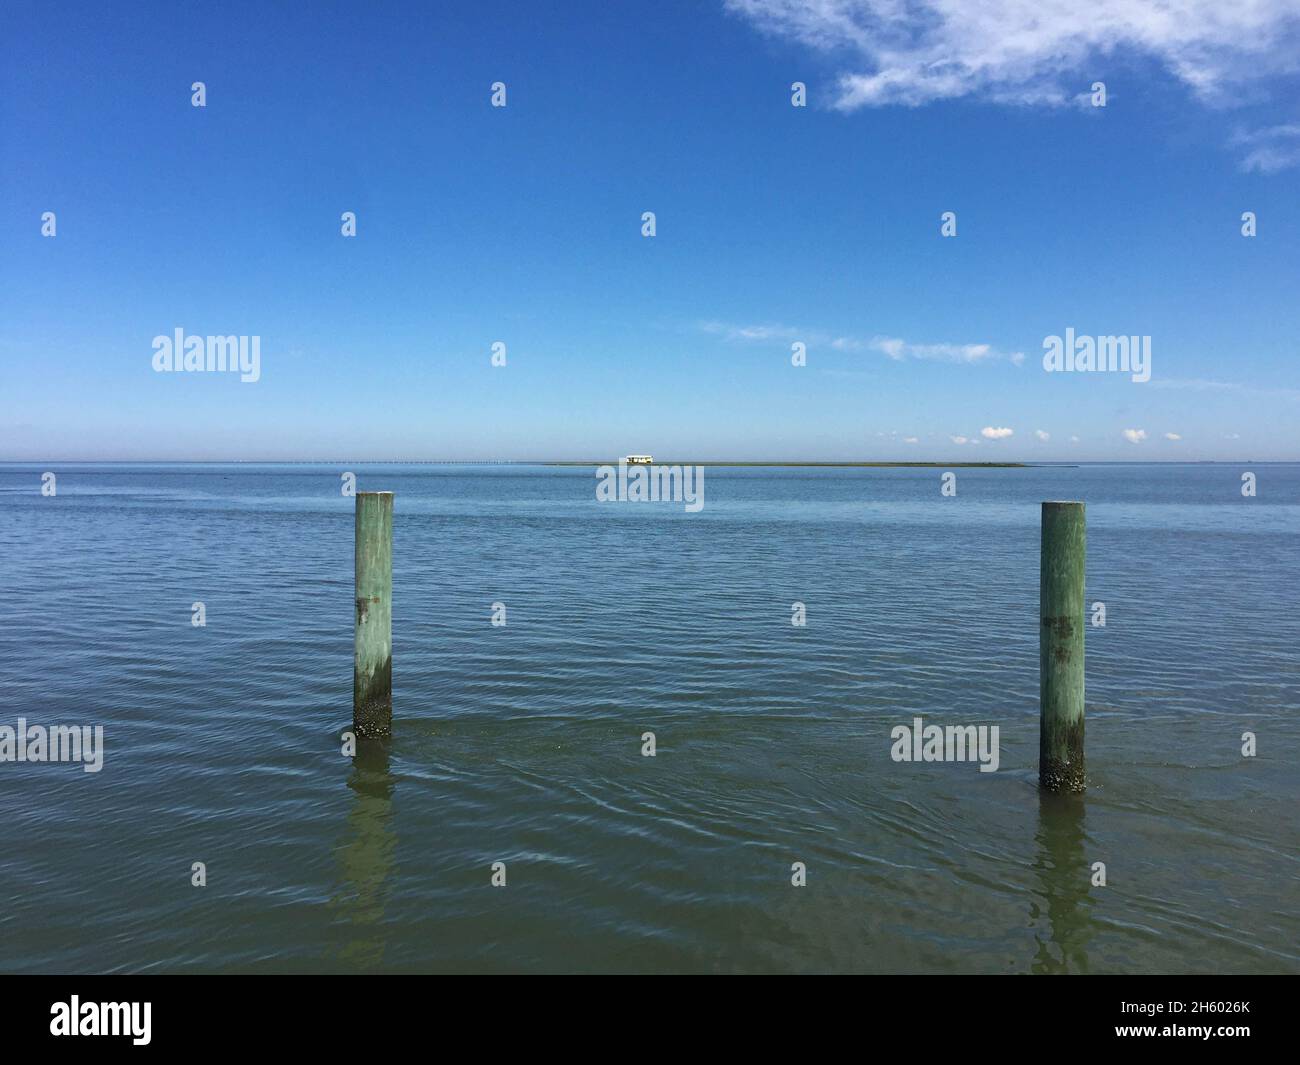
(522,744)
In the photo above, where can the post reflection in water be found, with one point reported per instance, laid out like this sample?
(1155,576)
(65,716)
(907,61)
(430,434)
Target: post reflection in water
(1061,912)
(365,858)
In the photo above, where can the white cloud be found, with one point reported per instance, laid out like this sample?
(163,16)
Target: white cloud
(1135,436)
(959,440)
(1031,51)
(910,440)
(1270,150)
(899,350)
(1042,434)
(1172,436)
(1231,436)
(1074,439)
(991,433)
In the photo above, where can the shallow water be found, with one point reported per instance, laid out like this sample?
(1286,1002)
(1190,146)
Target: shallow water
(522,744)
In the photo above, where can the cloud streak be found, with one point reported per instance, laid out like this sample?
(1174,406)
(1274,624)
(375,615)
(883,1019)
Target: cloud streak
(894,348)
(1200,384)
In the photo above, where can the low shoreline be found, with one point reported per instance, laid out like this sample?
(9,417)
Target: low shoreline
(827,465)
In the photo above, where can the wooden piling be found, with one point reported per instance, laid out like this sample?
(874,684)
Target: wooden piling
(372,665)
(1060,647)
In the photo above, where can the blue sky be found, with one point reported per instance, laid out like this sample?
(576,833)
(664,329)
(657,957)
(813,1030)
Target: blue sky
(522,225)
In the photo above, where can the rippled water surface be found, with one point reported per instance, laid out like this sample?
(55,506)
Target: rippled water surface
(522,744)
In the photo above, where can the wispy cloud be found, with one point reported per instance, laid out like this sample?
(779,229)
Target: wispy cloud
(892,347)
(899,350)
(754,332)
(1173,436)
(1135,436)
(1271,149)
(1031,52)
(1042,434)
(1200,384)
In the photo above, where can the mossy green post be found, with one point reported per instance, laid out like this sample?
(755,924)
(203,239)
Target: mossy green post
(1060,648)
(372,665)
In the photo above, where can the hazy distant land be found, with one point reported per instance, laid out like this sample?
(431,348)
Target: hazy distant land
(832,465)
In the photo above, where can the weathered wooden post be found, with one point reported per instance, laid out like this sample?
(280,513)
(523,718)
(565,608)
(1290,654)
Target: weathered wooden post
(372,663)
(1060,648)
